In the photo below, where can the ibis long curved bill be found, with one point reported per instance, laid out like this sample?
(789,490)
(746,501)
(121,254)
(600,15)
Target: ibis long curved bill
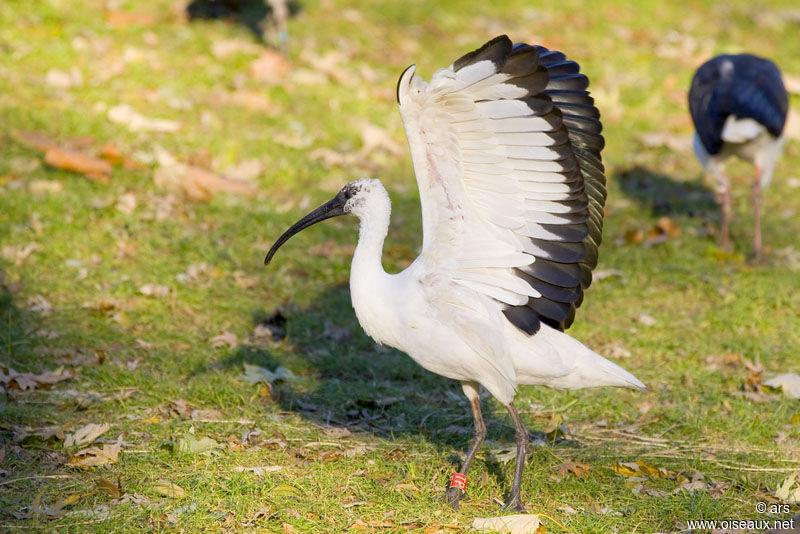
(332,208)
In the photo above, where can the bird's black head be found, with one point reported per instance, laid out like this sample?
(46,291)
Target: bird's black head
(351,197)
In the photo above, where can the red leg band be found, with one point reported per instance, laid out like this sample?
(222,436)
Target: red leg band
(459,481)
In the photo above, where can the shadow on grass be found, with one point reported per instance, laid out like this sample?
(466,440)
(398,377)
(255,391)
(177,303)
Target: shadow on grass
(664,195)
(364,387)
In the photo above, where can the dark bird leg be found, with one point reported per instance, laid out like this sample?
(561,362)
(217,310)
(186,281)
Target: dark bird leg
(471,390)
(755,195)
(514,501)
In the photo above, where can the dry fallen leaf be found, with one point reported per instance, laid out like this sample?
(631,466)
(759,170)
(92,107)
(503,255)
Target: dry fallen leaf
(126,203)
(11,379)
(259,470)
(93,168)
(169,489)
(112,154)
(792,129)
(154,290)
(198,184)
(97,456)
(34,140)
(225,338)
(576,468)
(626,469)
(56,510)
(270,66)
(255,373)
(122,19)
(109,487)
(39,304)
(86,435)
(191,445)
(45,432)
(135,122)
(676,142)
(18,254)
(509,524)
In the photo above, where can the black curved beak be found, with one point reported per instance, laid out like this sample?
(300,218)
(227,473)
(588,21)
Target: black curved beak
(332,208)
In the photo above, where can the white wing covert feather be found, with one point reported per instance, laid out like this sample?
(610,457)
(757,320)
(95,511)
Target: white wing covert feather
(506,149)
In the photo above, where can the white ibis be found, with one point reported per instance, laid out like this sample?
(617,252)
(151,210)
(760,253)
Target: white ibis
(739,105)
(506,149)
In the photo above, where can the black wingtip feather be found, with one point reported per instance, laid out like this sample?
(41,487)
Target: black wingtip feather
(496,51)
(523,318)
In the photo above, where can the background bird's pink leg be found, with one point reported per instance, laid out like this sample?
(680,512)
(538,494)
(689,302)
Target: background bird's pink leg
(755,195)
(724,193)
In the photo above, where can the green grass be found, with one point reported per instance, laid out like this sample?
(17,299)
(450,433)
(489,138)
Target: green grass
(406,426)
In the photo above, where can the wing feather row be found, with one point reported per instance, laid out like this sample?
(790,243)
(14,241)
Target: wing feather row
(524,169)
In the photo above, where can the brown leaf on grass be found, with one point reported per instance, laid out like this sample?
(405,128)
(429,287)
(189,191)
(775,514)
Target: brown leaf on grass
(270,67)
(123,19)
(37,508)
(252,100)
(626,469)
(576,468)
(180,408)
(41,187)
(222,48)
(225,338)
(753,382)
(95,169)
(205,415)
(134,121)
(407,486)
(258,470)
(330,64)
(199,185)
(633,237)
(108,487)
(792,129)
(19,253)
(39,304)
(154,290)
(86,434)
(97,456)
(509,524)
(241,279)
(61,79)
(112,154)
(34,140)
(11,379)
(331,158)
(374,137)
(126,203)
(675,142)
(44,432)
(169,489)
(663,230)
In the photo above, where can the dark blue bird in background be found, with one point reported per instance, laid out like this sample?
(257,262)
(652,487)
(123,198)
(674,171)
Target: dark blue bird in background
(739,106)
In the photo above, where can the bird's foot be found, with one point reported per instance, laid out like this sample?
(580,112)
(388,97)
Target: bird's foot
(453,495)
(514,503)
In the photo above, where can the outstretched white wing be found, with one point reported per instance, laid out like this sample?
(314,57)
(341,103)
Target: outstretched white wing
(506,149)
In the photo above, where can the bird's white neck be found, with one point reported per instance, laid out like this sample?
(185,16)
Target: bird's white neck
(372,232)
(368,280)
